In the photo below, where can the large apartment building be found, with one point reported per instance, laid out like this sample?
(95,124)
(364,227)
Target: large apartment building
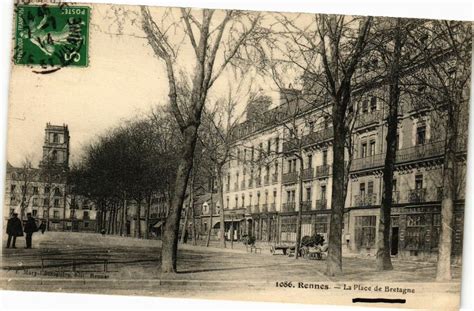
(45,189)
(263,180)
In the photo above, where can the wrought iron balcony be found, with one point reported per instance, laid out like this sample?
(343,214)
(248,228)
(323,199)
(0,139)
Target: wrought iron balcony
(313,138)
(321,204)
(367,119)
(274,178)
(288,207)
(374,161)
(368,199)
(264,208)
(323,171)
(290,178)
(428,150)
(306,205)
(417,195)
(307,174)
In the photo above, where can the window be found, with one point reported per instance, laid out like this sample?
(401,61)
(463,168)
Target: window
(46,189)
(46,202)
(86,215)
(238,155)
(372,147)
(276,168)
(370,187)
(365,106)
(34,212)
(290,164)
(57,192)
(55,138)
(421,135)
(56,203)
(326,122)
(308,194)
(362,188)
(397,141)
(321,224)
(277,144)
(310,161)
(311,126)
(416,231)
(86,224)
(54,156)
(245,155)
(325,157)
(365,231)
(269,145)
(363,150)
(45,214)
(323,193)
(394,185)
(56,214)
(419,181)
(373,103)
(35,201)
(35,190)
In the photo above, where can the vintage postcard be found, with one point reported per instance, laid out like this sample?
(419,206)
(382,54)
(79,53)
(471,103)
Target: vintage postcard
(241,155)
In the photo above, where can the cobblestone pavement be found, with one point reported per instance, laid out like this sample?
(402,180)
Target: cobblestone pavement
(75,262)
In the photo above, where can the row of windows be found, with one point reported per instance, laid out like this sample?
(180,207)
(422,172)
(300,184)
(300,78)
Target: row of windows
(35,190)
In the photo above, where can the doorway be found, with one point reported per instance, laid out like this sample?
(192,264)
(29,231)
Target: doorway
(394,242)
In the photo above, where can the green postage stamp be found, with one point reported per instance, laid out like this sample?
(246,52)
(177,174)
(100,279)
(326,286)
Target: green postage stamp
(52,36)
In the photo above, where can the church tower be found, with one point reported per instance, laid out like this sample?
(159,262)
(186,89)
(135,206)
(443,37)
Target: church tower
(56,146)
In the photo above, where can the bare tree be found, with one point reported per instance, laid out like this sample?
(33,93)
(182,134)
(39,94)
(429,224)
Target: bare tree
(26,176)
(209,34)
(443,84)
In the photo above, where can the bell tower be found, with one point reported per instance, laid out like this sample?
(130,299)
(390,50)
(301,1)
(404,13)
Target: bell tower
(56,146)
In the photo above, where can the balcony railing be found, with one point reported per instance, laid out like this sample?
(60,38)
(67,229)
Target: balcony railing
(274,178)
(369,199)
(272,207)
(309,140)
(322,171)
(306,205)
(264,208)
(290,178)
(417,195)
(419,152)
(250,182)
(288,207)
(321,204)
(369,118)
(266,180)
(307,174)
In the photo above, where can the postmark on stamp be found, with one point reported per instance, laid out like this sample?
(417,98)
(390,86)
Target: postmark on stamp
(52,37)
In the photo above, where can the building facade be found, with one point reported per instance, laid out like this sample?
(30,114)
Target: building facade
(43,191)
(264,179)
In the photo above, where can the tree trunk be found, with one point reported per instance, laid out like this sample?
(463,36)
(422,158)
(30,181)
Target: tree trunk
(193,225)
(383,259)
(334,259)
(170,235)
(210,223)
(185,225)
(147,218)
(124,217)
(138,227)
(220,185)
(300,208)
(443,271)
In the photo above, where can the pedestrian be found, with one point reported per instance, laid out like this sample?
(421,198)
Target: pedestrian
(30,228)
(14,229)
(42,227)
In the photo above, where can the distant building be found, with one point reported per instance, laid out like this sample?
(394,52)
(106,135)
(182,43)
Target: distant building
(39,190)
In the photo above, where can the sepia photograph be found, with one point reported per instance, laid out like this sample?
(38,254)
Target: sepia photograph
(239,155)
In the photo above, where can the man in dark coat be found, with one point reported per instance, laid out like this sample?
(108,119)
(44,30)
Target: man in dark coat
(14,229)
(30,228)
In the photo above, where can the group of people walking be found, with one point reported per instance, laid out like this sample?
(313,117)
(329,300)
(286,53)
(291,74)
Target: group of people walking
(15,229)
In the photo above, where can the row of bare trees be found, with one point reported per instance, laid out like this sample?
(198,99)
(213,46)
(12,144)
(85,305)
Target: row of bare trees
(337,59)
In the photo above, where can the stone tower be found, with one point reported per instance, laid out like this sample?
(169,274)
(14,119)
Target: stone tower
(56,146)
